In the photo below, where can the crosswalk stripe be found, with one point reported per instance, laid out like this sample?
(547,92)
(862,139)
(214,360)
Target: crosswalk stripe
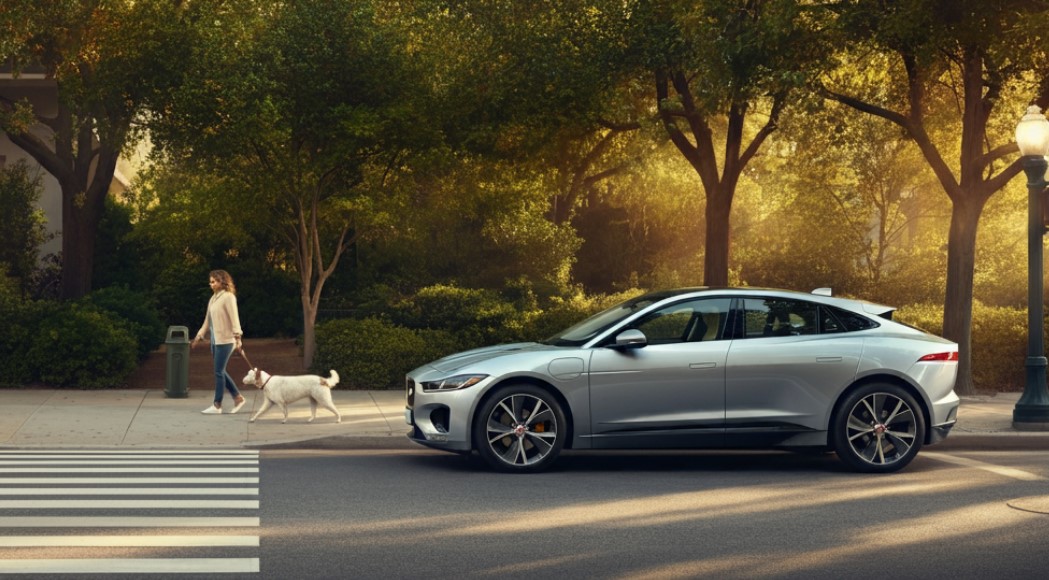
(132,463)
(80,452)
(130,565)
(111,504)
(59,483)
(128,480)
(127,522)
(129,491)
(137,455)
(129,541)
(132,470)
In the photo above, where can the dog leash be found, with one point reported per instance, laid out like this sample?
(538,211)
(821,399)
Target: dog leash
(244,355)
(259,383)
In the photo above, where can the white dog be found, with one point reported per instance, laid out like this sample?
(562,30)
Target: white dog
(286,390)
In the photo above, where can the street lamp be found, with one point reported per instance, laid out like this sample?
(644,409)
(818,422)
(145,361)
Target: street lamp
(1032,136)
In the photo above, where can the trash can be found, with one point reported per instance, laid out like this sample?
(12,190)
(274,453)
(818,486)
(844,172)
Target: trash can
(177,346)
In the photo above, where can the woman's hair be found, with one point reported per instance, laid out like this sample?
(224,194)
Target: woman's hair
(224,280)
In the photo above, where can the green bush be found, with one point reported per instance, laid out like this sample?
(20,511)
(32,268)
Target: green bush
(999,347)
(181,293)
(138,313)
(269,301)
(928,317)
(375,354)
(74,345)
(476,317)
(558,316)
(25,227)
(14,340)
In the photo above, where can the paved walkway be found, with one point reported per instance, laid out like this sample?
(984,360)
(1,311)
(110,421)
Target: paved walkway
(149,418)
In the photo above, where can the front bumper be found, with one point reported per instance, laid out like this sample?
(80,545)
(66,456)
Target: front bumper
(438,420)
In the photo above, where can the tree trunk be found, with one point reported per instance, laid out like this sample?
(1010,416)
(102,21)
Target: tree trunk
(84,169)
(957,306)
(715,261)
(309,331)
(81,213)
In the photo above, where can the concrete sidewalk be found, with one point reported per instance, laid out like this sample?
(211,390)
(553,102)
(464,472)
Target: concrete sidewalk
(147,418)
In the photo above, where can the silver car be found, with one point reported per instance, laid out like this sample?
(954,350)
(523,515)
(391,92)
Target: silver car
(698,368)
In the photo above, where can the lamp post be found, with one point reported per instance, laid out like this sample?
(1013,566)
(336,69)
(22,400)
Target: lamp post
(1032,136)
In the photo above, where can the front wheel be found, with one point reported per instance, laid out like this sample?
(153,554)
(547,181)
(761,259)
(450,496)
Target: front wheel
(878,428)
(520,428)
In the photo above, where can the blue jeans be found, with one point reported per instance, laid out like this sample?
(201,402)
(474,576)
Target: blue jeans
(222,352)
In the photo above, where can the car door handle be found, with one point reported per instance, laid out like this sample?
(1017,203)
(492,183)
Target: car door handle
(828,359)
(702,365)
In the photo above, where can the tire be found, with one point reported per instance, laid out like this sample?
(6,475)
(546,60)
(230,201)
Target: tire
(878,428)
(520,429)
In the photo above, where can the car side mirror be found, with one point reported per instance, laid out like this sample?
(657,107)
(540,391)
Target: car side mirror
(633,338)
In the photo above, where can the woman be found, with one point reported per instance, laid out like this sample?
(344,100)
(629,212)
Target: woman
(223,322)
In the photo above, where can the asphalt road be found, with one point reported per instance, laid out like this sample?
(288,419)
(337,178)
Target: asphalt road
(420,514)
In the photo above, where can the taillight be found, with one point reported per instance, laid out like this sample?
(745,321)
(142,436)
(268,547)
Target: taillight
(940,356)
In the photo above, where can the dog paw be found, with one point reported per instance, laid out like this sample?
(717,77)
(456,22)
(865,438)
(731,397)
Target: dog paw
(338,419)
(252,420)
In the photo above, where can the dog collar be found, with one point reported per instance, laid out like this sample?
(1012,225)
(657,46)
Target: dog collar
(263,385)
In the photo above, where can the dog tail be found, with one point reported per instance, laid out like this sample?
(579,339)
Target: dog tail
(332,380)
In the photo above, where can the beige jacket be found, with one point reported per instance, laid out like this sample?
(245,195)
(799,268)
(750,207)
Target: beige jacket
(224,318)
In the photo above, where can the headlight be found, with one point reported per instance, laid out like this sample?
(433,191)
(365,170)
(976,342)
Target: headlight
(453,383)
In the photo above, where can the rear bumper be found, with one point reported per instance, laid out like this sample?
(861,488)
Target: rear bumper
(939,432)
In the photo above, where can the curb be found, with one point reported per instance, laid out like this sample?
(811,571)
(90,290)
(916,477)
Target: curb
(351,442)
(993,442)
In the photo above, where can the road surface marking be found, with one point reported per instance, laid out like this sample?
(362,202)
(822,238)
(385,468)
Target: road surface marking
(997,469)
(131,565)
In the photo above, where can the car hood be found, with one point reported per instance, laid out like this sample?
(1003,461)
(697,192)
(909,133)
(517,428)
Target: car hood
(461,359)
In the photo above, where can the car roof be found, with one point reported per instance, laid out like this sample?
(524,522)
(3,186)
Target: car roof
(848,303)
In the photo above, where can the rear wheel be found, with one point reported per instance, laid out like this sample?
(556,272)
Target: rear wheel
(878,428)
(520,428)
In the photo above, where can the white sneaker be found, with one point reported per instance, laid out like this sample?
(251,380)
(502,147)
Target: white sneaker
(237,406)
(212,410)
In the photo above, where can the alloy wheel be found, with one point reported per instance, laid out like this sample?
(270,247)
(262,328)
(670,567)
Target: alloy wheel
(522,430)
(882,428)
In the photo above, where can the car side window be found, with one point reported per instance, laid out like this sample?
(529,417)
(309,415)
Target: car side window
(849,321)
(690,321)
(829,323)
(779,317)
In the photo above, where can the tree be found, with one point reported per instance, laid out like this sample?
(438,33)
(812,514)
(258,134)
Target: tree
(938,69)
(306,113)
(725,70)
(541,83)
(103,56)
(863,180)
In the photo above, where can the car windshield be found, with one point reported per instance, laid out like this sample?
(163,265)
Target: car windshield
(582,332)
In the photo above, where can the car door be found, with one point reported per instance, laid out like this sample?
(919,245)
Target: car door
(783,375)
(669,392)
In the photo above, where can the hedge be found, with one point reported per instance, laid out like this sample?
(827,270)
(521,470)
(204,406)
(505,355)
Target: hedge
(376,354)
(73,345)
